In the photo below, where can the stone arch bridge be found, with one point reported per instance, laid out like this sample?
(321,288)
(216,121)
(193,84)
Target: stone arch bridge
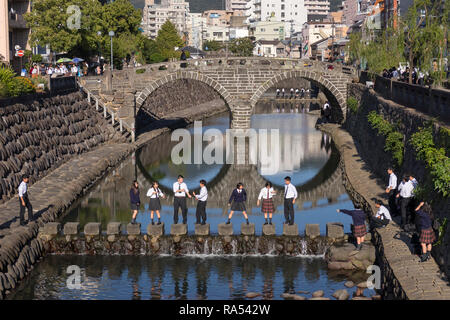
(239,81)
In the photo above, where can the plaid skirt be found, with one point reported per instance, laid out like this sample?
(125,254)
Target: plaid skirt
(359,231)
(427,236)
(267,206)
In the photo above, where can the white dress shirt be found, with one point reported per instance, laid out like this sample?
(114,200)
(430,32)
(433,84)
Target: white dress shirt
(177,186)
(406,189)
(383,213)
(266,193)
(392,181)
(22,188)
(154,195)
(290,191)
(203,196)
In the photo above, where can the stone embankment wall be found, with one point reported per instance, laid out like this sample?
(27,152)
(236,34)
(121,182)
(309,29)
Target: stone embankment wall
(371,149)
(38,135)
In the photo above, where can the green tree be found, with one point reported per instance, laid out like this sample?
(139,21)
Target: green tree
(242,47)
(167,40)
(212,45)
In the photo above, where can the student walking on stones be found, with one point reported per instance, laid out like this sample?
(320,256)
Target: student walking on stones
(427,235)
(24,201)
(135,200)
(381,218)
(180,191)
(290,194)
(201,205)
(391,189)
(359,219)
(267,207)
(155,204)
(237,202)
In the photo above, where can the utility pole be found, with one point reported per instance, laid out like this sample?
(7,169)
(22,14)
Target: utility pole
(290,38)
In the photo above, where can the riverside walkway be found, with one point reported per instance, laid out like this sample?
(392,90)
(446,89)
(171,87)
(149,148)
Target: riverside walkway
(409,278)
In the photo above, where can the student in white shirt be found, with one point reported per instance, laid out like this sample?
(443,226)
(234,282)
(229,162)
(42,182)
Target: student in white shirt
(382,217)
(201,205)
(154,193)
(24,201)
(290,194)
(405,194)
(180,191)
(267,207)
(391,189)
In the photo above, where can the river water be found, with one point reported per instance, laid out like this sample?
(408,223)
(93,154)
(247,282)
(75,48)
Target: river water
(304,153)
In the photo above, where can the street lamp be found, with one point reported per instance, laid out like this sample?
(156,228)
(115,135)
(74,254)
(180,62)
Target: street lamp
(111,35)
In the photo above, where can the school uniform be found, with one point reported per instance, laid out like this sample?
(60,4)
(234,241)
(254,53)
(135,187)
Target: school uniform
(267,201)
(135,200)
(179,201)
(382,218)
(392,199)
(406,192)
(201,205)
(154,203)
(359,221)
(290,193)
(427,234)
(237,200)
(23,192)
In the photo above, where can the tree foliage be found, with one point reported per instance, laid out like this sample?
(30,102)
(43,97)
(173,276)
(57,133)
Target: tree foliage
(242,47)
(167,40)
(212,45)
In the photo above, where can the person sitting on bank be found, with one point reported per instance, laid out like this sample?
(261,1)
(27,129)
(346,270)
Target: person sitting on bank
(427,235)
(155,204)
(382,217)
(24,201)
(237,202)
(359,225)
(134,200)
(267,207)
(201,205)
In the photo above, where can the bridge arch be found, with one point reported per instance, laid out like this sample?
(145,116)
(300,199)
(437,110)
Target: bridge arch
(337,93)
(185,75)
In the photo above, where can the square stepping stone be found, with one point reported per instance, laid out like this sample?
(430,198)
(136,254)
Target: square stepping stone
(247,229)
(71,228)
(52,228)
(202,229)
(335,230)
(290,230)
(155,230)
(134,229)
(268,230)
(225,229)
(113,228)
(178,229)
(312,231)
(92,229)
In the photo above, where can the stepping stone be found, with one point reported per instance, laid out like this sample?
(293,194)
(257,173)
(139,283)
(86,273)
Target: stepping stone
(225,229)
(318,293)
(156,230)
(202,229)
(341,294)
(349,284)
(113,228)
(134,229)
(247,229)
(268,230)
(92,229)
(312,231)
(252,295)
(335,230)
(71,228)
(290,230)
(52,228)
(178,229)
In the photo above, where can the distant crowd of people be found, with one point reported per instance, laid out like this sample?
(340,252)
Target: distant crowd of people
(399,74)
(293,93)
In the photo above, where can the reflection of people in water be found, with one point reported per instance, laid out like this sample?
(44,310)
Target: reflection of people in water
(267,207)
(155,204)
(136,292)
(325,143)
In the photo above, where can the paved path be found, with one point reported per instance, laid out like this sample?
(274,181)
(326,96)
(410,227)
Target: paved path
(421,281)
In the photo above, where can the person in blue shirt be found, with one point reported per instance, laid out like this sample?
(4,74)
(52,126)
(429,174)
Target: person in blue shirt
(135,200)
(427,235)
(359,224)
(237,202)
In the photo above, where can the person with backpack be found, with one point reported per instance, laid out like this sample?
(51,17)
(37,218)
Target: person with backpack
(427,235)
(155,195)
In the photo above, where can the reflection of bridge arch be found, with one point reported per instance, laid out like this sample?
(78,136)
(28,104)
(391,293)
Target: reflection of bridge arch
(326,184)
